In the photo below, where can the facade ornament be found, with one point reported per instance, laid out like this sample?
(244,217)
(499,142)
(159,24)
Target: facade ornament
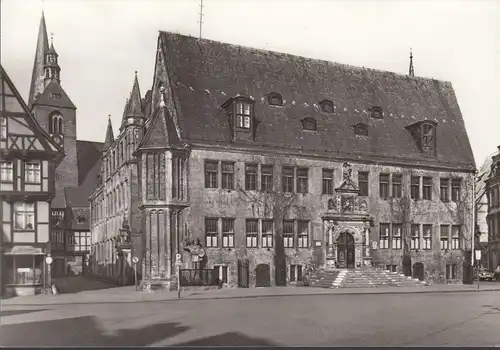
(347,171)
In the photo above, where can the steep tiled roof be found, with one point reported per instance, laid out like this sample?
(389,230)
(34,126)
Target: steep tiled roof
(110,137)
(204,74)
(88,153)
(54,96)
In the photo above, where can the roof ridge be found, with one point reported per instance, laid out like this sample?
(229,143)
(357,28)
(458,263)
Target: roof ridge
(318,60)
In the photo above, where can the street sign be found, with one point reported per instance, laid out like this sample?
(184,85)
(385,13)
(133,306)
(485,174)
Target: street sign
(135,260)
(178,257)
(478,254)
(48,260)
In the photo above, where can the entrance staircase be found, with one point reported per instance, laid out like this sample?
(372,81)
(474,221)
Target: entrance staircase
(367,277)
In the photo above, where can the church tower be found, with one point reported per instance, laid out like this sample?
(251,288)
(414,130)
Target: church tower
(53,108)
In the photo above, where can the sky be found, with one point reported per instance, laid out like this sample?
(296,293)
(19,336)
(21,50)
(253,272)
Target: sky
(102,42)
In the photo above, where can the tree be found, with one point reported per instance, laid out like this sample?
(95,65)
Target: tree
(275,205)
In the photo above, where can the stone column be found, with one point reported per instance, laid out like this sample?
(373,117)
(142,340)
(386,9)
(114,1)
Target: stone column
(161,234)
(168,242)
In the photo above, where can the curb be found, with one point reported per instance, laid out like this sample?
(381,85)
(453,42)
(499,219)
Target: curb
(256,296)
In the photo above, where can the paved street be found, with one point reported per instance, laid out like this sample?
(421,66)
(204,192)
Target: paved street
(439,319)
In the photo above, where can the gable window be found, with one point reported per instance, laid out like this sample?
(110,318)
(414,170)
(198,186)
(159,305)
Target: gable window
(266,178)
(415,187)
(444,240)
(384,236)
(267,233)
(3,128)
(384,185)
(252,233)
(396,235)
(56,124)
(427,137)
(24,216)
(363,183)
(327,181)
(227,175)
(427,188)
(303,234)
(288,233)
(396,185)
(444,190)
(376,113)
(243,114)
(211,174)
(360,129)
(302,180)
(251,177)
(455,237)
(275,99)
(228,233)
(6,171)
(309,124)
(427,239)
(32,172)
(415,236)
(288,177)
(327,106)
(456,185)
(211,232)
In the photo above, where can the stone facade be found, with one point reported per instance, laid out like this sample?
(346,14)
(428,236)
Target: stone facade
(493,217)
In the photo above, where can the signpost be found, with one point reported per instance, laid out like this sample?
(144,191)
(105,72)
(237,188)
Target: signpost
(135,260)
(178,264)
(478,258)
(48,261)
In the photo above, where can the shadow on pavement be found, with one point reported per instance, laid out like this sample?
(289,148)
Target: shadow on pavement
(83,331)
(79,283)
(228,339)
(18,312)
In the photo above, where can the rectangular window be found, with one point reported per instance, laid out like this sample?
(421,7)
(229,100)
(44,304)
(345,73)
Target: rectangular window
(228,233)
(427,237)
(288,177)
(24,216)
(267,233)
(288,233)
(444,190)
(3,128)
(443,237)
(396,235)
(397,180)
(211,232)
(303,234)
(243,115)
(427,189)
(456,185)
(451,271)
(302,180)
(455,237)
(296,273)
(384,236)
(227,175)
(327,181)
(6,171)
(415,187)
(221,272)
(251,177)
(363,183)
(384,185)
(211,174)
(266,177)
(415,236)
(252,233)
(155,168)
(32,173)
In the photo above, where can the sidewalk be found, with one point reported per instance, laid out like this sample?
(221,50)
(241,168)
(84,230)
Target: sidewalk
(130,295)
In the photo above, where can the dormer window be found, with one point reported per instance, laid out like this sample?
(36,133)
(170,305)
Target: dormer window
(55,95)
(243,114)
(424,133)
(327,106)
(308,124)
(376,113)
(360,129)
(275,99)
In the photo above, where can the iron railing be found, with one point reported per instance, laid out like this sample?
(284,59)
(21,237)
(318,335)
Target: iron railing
(198,277)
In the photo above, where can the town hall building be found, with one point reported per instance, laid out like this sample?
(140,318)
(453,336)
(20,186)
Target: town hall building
(261,165)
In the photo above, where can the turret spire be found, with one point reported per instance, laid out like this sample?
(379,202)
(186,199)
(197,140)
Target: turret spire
(133,107)
(52,69)
(38,74)
(110,138)
(411,70)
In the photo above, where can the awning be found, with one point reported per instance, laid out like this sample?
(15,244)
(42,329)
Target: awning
(24,250)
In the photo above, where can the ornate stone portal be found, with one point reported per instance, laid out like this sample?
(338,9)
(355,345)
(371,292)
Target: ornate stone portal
(347,226)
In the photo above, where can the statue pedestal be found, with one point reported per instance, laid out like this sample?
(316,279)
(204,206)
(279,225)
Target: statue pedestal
(367,261)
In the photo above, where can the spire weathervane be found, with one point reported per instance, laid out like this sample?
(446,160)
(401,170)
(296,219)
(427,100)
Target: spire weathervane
(201,16)
(412,71)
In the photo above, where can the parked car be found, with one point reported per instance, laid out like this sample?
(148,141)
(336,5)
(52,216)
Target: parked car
(485,275)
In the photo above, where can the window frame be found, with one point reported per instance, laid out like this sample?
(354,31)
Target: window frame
(7,168)
(211,174)
(35,171)
(287,179)
(303,236)
(362,183)
(211,236)
(384,180)
(444,237)
(302,180)
(444,189)
(397,185)
(227,177)
(289,237)
(253,235)
(427,183)
(396,239)
(327,183)
(456,239)
(27,213)
(241,115)
(456,197)
(251,175)
(427,236)
(384,235)
(266,178)
(266,235)
(415,187)
(228,236)
(415,238)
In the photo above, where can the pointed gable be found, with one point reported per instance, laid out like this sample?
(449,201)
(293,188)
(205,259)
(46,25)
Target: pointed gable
(54,96)
(161,132)
(20,122)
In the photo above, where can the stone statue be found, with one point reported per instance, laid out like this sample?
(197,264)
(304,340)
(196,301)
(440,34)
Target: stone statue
(347,171)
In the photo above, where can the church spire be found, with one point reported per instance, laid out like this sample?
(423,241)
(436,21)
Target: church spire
(133,107)
(37,76)
(411,70)
(52,69)
(110,138)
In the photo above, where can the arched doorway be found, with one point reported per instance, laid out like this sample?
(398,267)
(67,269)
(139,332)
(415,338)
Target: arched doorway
(262,276)
(345,250)
(418,271)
